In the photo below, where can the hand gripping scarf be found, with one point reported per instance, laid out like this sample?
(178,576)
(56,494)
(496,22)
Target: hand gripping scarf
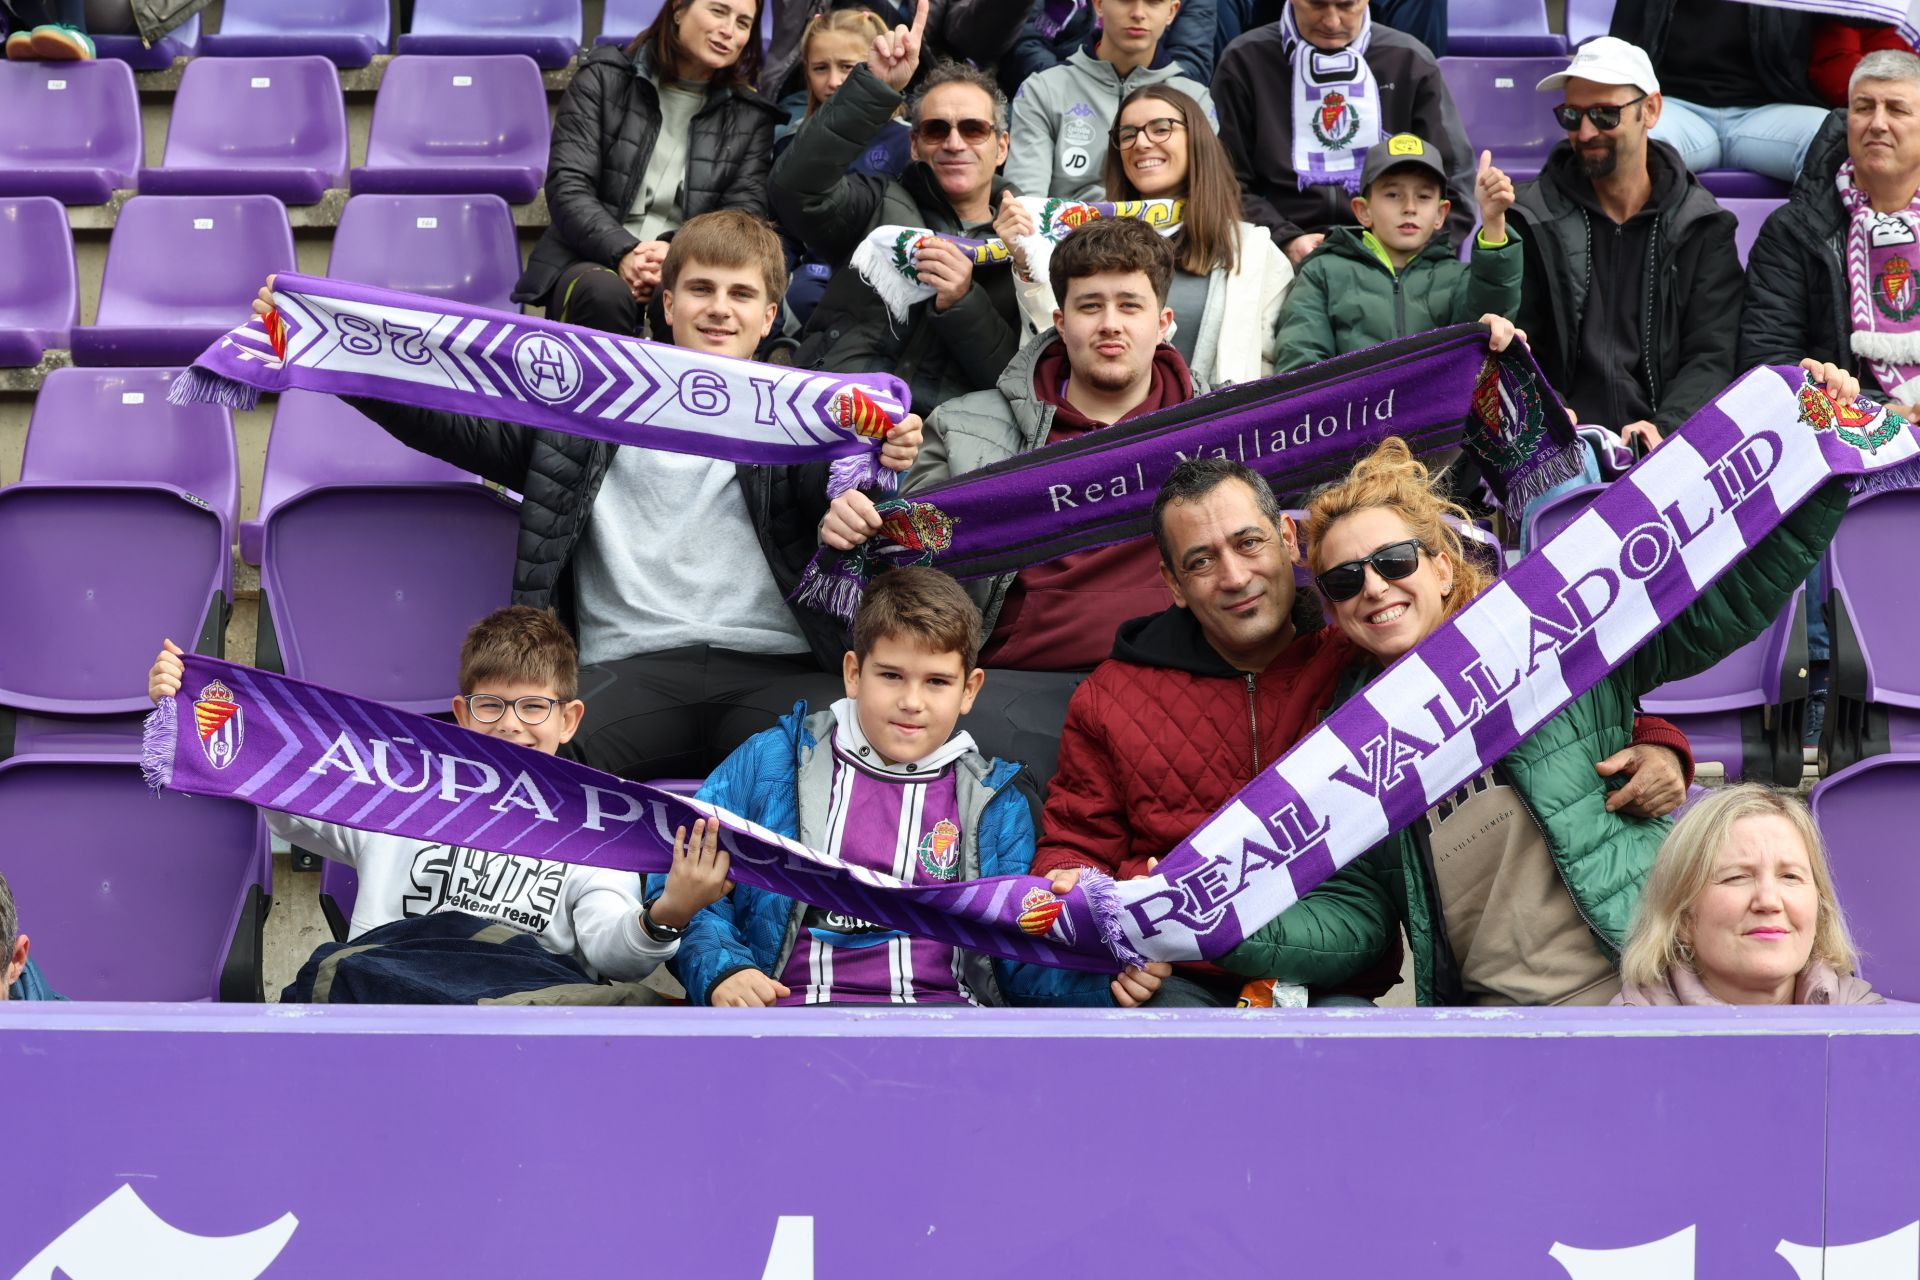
(1436,391)
(1883,287)
(888,259)
(1336,107)
(1545,633)
(355,340)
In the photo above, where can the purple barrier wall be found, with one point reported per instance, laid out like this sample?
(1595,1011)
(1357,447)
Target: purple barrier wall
(1667,1145)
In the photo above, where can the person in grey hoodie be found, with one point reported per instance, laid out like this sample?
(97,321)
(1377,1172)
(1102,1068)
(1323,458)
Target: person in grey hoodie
(1061,117)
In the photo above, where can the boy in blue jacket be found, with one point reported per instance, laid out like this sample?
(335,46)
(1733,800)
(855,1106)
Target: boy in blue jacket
(882,780)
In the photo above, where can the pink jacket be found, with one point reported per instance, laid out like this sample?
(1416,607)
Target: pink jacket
(1819,984)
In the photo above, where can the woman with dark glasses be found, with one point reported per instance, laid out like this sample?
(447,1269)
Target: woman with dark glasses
(1229,278)
(1519,888)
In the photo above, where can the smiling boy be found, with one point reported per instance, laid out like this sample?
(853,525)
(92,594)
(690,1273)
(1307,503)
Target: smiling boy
(1396,275)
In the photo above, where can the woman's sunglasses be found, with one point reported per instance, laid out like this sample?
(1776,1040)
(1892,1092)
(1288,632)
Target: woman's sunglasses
(1392,562)
(935,131)
(1604,118)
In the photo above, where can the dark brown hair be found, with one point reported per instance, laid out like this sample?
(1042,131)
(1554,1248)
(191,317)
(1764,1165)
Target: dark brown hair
(521,644)
(665,47)
(922,605)
(1209,235)
(1112,244)
(728,238)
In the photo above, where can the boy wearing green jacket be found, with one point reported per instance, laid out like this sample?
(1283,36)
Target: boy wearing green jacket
(1391,276)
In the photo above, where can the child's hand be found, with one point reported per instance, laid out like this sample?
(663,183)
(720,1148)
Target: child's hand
(1501,331)
(1643,431)
(851,520)
(902,444)
(263,301)
(698,878)
(1135,986)
(1842,387)
(1495,192)
(747,989)
(163,681)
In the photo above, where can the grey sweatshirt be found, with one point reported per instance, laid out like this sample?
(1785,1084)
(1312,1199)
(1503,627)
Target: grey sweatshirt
(1061,119)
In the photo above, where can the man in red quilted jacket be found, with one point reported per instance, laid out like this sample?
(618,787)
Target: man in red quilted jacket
(1199,698)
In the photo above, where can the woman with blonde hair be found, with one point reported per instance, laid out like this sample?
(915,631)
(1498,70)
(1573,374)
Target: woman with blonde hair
(1740,909)
(1518,888)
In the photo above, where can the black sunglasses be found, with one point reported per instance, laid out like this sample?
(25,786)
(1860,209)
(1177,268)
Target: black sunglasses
(1392,562)
(973,130)
(1604,118)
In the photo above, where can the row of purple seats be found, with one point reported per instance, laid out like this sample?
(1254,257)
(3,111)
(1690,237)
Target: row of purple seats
(39,282)
(1865,813)
(1501,28)
(1746,712)
(254,126)
(1873,692)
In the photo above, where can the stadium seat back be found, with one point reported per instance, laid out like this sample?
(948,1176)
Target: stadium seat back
(1502,111)
(181,42)
(458,125)
(548,31)
(39,285)
(1751,213)
(458,247)
(347,32)
(276,126)
(70,130)
(1865,813)
(1501,29)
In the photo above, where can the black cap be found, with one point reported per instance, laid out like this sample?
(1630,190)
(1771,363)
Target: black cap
(1402,149)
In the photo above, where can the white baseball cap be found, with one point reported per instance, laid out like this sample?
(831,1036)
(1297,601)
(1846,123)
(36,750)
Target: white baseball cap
(1607,60)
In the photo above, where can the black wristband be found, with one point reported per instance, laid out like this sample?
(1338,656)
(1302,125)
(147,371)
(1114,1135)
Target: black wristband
(653,928)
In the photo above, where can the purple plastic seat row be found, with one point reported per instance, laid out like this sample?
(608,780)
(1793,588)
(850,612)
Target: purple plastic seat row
(1501,29)
(1873,693)
(181,271)
(458,125)
(70,130)
(1503,112)
(132,896)
(39,286)
(347,33)
(1742,183)
(1865,814)
(1587,19)
(273,126)
(548,31)
(1751,214)
(182,42)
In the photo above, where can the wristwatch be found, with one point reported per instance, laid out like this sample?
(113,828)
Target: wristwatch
(653,928)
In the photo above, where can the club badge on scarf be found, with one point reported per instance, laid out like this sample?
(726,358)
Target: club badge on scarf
(1336,106)
(348,339)
(1883,294)
(888,259)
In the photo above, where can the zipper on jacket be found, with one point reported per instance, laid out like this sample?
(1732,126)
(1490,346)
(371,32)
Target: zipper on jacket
(1399,306)
(1647,335)
(1253,721)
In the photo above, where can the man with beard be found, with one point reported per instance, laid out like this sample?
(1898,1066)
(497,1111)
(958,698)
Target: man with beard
(1631,292)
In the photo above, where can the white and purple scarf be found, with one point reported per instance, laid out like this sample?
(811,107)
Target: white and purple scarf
(347,339)
(1336,106)
(1883,287)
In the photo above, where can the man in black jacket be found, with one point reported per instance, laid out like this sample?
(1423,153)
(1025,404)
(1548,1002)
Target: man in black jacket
(961,339)
(687,644)
(1631,293)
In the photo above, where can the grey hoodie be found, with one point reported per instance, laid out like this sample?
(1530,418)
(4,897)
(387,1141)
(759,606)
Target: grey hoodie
(1061,119)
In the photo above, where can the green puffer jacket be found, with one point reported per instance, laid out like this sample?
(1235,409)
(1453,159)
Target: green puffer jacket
(1346,297)
(1603,858)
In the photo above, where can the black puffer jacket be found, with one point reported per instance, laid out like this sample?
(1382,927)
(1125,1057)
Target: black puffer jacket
(1780,39)
(830,208)
(558,477)
(1797,271)
(602,139)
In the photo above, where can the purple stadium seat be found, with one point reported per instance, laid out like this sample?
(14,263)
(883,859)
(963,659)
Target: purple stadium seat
(1587,19)
(1866,814)
(39,287)
(275,126)
(1742,184)
(345,32)
(548,31)
(181,271)
(321,440)
(1746,710)
(1873,694)
(1501,29)
(94,576)
(461,248)
(458,126)
(182,42)
(70,130)
(1751,213)
(132,896)
(1503,112)
(626,19)
(370,588)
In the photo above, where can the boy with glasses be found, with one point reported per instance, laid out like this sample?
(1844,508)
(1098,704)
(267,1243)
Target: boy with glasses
(1061,117)
(1631,289)
(518,677)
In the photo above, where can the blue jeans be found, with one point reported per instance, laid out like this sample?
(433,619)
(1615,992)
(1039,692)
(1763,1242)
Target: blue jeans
(25,15)
(1770,140)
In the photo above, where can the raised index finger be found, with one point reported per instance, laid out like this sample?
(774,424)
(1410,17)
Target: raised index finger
(919,20)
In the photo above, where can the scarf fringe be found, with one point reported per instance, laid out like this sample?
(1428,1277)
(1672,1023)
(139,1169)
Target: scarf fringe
(1532,483)
(873,261)
(203,386)
(832,585)
(1104,903)
(159,734)
(860,471)
(1888,348)
(1038,250)
(1905,475)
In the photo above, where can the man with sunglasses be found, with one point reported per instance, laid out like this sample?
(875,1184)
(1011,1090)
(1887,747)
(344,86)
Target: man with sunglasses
(1062,117)
(1631,288)
(959,340)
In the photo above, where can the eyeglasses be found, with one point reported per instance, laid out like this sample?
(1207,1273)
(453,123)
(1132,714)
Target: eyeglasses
(1603,117)
(1392,562)
(973,131)
(1156,130)
(487,708)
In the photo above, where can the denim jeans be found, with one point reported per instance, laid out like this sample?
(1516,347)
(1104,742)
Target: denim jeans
(1770,140)
(24,15)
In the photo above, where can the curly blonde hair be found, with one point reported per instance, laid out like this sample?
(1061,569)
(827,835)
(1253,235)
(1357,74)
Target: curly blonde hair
(1392,479)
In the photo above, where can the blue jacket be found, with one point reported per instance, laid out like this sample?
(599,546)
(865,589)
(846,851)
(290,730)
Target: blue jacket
(32,985)
(775,776)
